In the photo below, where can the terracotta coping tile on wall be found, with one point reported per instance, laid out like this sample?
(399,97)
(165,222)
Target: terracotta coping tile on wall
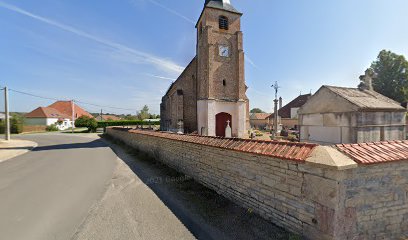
(277,149)
(376,152)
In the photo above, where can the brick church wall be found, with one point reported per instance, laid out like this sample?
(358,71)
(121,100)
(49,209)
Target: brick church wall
(213,68)
(176,107)
(315,201)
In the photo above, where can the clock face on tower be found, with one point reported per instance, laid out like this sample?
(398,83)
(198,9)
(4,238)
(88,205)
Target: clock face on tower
(224,51)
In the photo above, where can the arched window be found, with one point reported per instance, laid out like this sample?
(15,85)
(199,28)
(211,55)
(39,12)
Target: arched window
(224,83)
(223,22)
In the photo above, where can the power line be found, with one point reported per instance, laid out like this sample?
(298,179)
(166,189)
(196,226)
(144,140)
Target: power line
(33,95)
(102,106)
(56,99)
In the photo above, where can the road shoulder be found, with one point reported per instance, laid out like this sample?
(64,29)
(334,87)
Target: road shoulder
(14,148)
(130,210)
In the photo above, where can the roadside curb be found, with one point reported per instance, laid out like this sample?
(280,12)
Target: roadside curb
(7,151)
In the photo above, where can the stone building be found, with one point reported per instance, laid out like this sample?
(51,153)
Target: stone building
(260,120)
(211,92)
(336,115)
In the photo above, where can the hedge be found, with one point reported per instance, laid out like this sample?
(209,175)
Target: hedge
(104,124)
(16,126)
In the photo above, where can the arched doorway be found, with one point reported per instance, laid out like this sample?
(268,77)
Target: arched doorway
(221,123)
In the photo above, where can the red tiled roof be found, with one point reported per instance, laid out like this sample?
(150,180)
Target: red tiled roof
(109,118)
(378,152)
(45,112)
(281,150)
(259,116)
(65,107)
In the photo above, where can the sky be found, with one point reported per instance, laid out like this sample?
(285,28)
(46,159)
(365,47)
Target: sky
(126,53)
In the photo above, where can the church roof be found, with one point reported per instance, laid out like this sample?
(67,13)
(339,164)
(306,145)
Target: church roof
(221,4)
(218,4)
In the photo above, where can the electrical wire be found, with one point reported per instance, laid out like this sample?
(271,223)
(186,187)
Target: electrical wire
(77,101)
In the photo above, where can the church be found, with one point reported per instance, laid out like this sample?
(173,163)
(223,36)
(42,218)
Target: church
(210,95)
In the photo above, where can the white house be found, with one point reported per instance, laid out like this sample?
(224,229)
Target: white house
(48,116)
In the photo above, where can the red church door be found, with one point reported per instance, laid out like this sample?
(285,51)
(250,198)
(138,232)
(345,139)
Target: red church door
(221,123)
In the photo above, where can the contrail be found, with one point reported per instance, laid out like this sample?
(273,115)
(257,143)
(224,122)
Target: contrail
(250,61)
(161,77)
(172,11)
(148,58)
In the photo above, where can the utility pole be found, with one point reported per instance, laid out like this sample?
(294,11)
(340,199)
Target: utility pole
(73,115)
(101,115)
(275,114)
(6,110)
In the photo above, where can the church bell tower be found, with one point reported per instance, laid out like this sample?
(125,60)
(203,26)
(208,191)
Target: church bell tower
(221,89)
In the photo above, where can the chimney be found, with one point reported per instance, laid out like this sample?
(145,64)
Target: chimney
(367,80)
(280,102)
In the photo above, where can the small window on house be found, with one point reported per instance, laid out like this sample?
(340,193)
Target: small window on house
(179,92)
(201,28)
(224,83)
(223,23)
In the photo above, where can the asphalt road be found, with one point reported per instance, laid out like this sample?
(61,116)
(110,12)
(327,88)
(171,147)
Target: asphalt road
(47,193)
(80,187)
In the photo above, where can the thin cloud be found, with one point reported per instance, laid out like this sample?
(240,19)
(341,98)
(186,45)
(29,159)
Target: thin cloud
(250,61)
(158,62)
(161,77)
(170,11)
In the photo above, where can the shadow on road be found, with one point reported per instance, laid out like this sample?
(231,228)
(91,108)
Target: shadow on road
(16,148)
(205,213)
(94,144)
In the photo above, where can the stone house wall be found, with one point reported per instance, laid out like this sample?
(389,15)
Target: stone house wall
(314,200)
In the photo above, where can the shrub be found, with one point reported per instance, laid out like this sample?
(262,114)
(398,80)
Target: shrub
(2,127)
(52,128)
(16,125)
(104,124)
(87,122)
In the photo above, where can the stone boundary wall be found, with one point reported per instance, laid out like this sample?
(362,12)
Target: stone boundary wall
(311,198)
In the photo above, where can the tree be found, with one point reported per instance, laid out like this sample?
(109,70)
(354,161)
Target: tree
(88,122)
(392,75)
(144,113)
(130,117)
(256,110)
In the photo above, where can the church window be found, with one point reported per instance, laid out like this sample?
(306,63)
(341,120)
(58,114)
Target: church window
(223,22)
(224,82)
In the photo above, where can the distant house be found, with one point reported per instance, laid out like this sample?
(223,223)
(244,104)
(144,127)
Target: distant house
(2,117)
(336,115)
(105,117)
(58,113)
(46,116)
(288,114)
(260,120)
(65,107)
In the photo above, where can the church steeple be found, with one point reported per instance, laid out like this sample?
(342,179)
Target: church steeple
(220,4)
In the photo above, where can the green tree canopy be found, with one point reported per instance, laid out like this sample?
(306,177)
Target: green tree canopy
(144,113)
(256,110)
(392,75)
(88,122)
